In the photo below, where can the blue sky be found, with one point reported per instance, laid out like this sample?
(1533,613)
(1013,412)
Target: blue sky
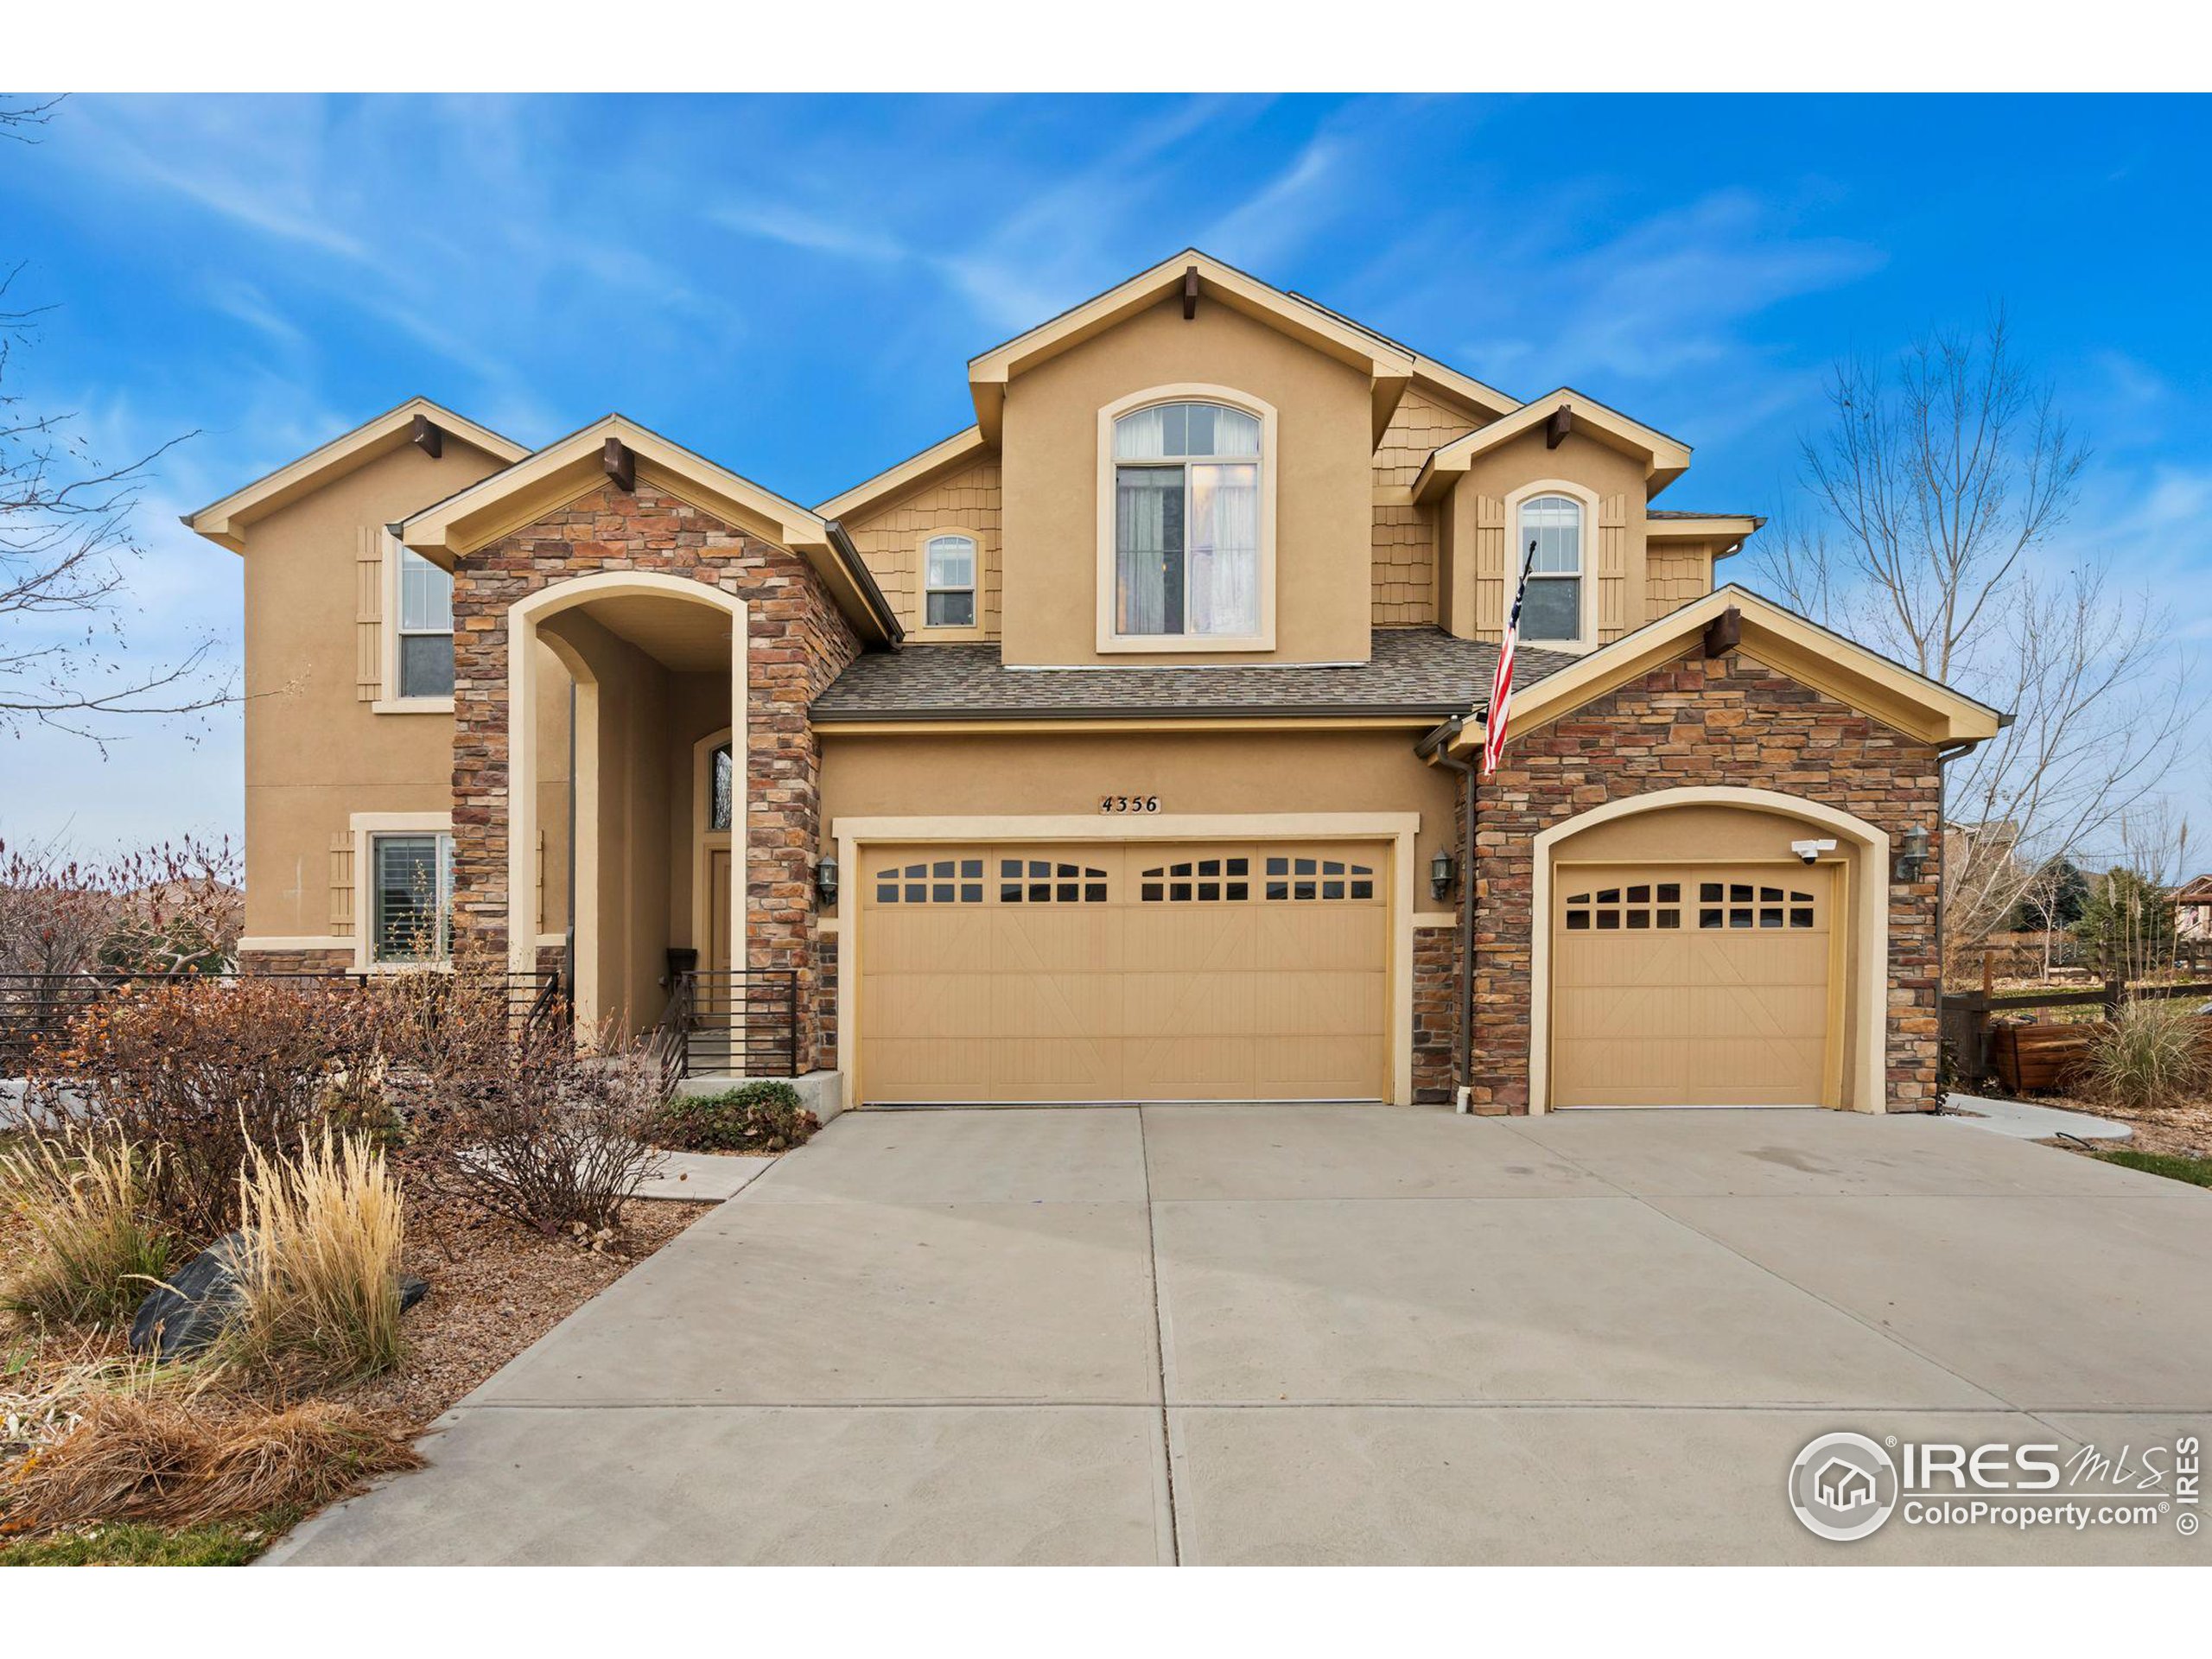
(791,286)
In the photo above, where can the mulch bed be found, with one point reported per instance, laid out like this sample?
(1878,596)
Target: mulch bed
(2184,1128)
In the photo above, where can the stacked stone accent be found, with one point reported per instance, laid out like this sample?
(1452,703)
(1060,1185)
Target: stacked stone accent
(825,1000)
(296,962)
(796,644)
(1729,722)
(1435,1030)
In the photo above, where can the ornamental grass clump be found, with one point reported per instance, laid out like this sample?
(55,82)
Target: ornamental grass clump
(319,1267)
(95,1250)
(2152,1055)
(181,1459)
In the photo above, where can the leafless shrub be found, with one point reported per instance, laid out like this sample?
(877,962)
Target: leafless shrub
(207,1071)
(176,907)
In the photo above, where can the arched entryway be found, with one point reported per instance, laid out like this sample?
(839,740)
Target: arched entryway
(659,664)
(1686,951)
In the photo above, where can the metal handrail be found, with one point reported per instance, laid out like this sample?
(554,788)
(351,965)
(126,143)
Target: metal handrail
(735,1022)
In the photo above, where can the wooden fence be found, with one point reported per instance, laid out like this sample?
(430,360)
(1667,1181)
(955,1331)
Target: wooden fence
(2034,1056)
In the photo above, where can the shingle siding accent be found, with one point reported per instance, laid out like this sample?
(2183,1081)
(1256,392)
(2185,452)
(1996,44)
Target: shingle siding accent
(1420,670)
(796,642)
(1404,548)
(1674,577)
(890,540)
(1730,721)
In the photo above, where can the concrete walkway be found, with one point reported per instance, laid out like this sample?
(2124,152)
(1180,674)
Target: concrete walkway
(1319,1334)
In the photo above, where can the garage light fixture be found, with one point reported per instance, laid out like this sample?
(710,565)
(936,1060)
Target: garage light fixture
(1441,869)
(1914,859)
(825,881)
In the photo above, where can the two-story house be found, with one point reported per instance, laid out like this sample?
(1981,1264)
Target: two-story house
(1119,747)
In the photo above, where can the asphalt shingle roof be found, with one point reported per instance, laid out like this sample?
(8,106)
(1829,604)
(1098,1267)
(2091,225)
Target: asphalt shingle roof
(1413,671)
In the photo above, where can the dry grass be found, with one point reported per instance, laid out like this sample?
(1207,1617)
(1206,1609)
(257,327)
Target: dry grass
(2153,1054)
(95,1250)
(162,1456)
(318,1277)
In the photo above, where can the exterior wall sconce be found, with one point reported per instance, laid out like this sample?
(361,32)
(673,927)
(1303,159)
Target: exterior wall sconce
(825,881)
(1914,859)
(1441,869)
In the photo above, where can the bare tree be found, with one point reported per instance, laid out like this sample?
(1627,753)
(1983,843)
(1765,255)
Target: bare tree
(65,541)
(1934,494)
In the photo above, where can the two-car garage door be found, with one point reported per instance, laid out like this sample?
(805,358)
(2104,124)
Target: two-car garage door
(1122,971)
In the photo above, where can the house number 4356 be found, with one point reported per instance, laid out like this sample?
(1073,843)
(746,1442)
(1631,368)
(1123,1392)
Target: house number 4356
(1128,803)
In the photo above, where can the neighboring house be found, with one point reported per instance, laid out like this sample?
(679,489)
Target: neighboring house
(2193,909)
(1115,748)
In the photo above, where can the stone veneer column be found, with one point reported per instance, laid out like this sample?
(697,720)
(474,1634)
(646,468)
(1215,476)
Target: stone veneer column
(797,642)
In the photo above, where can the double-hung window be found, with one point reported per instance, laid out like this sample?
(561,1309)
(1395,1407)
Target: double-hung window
(425,627)
(1551,540)
(948,581)
(1187,521)
(411,915)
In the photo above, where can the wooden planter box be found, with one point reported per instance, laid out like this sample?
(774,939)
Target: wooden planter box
(2039,1058)
(2046,1058)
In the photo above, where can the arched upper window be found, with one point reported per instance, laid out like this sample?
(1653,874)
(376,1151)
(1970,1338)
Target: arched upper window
(948,581)
(1550,538)
(1187,521)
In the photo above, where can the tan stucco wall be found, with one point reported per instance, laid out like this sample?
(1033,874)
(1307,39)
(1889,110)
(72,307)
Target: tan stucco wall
(1211,773)
(890,539)
(1323,488)
(1482,565)
(1404,572)
(316,753)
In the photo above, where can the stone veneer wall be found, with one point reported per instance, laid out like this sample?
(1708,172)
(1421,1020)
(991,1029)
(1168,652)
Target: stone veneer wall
(1435,1032)
(798,642)
(296,962)
(1730,721)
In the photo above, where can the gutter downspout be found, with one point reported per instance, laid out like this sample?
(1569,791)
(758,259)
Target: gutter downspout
(1438,747)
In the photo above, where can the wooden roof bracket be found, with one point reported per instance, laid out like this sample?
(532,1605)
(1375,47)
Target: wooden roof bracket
(427,437)
(1725,632)
(621,465)
(1190,293)
(1556,428)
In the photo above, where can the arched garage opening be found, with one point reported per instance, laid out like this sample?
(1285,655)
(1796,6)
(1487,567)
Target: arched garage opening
(1684,955)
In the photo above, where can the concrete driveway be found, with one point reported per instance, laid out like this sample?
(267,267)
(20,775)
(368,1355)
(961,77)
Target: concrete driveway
(1318,1334)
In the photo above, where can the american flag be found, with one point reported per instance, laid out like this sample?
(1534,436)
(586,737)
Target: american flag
(1501,688)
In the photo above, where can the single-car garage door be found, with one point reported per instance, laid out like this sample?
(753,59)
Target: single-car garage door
(1124,971)
(1694,985)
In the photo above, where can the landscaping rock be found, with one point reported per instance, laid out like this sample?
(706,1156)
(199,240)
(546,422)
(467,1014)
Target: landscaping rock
(185,1316)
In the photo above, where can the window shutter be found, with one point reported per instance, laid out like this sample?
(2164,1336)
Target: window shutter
(1489,568)
(1612,567)
(368,614)
(341,884)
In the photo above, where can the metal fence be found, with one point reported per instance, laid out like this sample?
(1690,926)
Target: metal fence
(37,1010)
(721,1023)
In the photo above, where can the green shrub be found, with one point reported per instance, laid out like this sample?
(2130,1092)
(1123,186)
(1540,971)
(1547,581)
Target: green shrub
(759,1117)
(2152,1056)
(96,1252)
